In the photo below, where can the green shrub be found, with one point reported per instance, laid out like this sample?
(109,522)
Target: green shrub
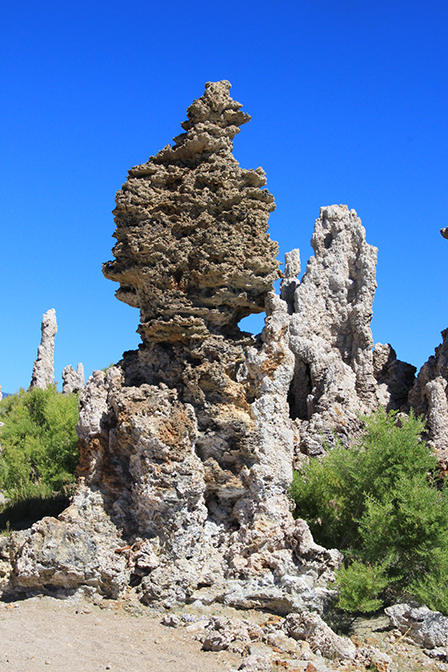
(378,504)
(39,444)
(360,584)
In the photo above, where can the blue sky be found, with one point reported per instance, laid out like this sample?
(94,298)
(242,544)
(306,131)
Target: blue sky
(349,104)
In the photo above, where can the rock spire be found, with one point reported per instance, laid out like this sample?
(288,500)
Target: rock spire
(331,310)
(43,369)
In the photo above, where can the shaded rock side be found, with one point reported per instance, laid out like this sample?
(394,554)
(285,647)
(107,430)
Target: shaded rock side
(43,369)
(192,247)
(73,381)
(428,397)
(394,377)
(187,442)
(331,311)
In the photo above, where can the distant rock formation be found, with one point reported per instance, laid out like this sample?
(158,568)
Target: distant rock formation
(73,381)
(186,444)
(43,369)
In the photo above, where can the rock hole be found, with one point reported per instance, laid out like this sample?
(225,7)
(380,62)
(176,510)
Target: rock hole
(253,324)
(328,240)
(299,390)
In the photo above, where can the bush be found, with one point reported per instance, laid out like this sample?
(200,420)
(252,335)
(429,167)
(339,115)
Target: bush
(39,444)
(379,504)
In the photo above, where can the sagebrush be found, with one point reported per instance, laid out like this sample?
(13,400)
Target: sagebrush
(382,504)
(38,444)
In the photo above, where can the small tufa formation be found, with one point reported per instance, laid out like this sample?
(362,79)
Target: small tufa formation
(43,369)
(73,380)
(427,628)
(192,247)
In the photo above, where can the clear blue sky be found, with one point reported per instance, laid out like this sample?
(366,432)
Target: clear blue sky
(349,104)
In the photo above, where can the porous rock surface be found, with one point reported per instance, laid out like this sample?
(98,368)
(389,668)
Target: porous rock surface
(43,369)
(192,249)
(73,381)
(186,444)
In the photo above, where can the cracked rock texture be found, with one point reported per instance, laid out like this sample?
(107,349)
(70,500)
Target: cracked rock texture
(186,444)
(43,369)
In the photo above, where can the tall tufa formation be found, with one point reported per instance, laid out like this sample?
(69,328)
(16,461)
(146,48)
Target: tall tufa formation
(43,369)
(336,376)
(192,250)
(186,445)
(331,310)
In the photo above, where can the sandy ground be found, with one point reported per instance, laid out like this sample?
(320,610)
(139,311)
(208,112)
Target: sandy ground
(75,635)
(44,633)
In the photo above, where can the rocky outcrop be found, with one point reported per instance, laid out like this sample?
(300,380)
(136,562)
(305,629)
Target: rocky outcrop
(43,369)
(73,381)
(428,397)
(186,444)
(330,336)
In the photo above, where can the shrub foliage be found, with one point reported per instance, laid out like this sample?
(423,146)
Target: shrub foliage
(380,505)
(38,443)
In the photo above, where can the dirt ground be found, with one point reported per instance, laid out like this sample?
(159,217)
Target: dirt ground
(76,635)
(73,635)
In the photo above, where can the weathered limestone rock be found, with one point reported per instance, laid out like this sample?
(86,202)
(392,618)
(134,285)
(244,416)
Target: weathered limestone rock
(394,377)
(187,442)
(43,369)
(428,397)
(73,380)
(331,311)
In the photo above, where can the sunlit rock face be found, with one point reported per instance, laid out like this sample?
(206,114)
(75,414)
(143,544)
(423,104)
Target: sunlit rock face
(192,247)
(187,441)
